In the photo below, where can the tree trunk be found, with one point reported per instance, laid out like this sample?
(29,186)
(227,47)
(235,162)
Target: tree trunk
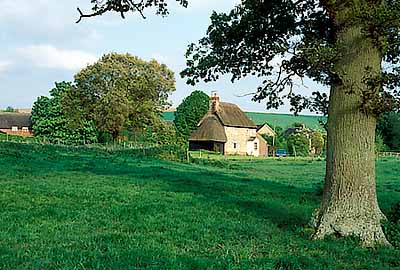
(349,205)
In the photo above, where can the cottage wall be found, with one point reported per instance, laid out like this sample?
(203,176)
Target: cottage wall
(237,140)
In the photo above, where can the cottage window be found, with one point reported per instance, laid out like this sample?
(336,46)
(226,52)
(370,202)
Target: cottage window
(14,129)
(255,146)
(235,145)
(25,129)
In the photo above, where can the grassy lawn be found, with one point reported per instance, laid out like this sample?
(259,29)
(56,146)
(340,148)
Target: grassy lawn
(64,208)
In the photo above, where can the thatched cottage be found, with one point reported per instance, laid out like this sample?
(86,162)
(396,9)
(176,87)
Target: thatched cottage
(16,124)
(226,129)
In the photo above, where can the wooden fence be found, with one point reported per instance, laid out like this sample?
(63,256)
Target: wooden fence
(389,154)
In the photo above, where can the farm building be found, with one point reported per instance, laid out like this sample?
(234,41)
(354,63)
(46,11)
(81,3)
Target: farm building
(16,124)
(265,129)
(226,129)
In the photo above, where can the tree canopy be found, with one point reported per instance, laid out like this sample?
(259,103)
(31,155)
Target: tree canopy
(301,36)
(189,113)
(50,122)
(120,91)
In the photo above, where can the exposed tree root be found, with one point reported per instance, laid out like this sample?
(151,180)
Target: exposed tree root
(367,228)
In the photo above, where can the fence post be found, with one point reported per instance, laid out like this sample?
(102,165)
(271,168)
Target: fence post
(294,152)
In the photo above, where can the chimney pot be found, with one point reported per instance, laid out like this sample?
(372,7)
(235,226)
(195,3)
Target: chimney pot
(214,101)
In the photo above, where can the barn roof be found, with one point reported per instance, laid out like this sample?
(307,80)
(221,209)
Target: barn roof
(210,129)
(20,120)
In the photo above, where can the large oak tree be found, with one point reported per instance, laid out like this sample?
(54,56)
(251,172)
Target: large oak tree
(350,45)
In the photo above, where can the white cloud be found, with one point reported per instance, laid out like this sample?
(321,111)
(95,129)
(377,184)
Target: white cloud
(48,56)
(4,65)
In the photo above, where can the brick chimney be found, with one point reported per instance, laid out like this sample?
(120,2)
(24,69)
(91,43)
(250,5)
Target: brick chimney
(214,101)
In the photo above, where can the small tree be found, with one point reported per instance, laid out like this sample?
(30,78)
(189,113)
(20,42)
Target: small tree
(50,122)
(317,142)
(190,111)
(299,144)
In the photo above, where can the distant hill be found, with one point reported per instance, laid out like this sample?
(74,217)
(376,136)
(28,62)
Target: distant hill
(169,116)
(274,119)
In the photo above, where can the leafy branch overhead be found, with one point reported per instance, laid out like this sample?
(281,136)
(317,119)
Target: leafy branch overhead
(123,6)
(299,38)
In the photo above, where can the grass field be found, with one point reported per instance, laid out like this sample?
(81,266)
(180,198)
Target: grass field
(275,119)
(69,208)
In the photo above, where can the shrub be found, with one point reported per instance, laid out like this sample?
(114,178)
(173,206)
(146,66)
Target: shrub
(392,226)
(298,144)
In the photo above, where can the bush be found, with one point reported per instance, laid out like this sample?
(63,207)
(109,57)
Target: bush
(392,226)
(298,144)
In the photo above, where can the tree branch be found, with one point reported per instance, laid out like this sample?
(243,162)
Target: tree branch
(97,13)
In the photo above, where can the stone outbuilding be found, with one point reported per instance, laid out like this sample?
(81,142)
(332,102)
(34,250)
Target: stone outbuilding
(16,124)
(227,130)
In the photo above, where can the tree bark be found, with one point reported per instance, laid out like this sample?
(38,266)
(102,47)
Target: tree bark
(349,205)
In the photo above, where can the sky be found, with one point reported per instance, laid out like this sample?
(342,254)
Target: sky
(41,44)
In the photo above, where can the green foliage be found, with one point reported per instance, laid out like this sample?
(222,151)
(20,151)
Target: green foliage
(270,139)
(298,125)
(78,207)
(163,133)
(303,35)
(317,142)
(120,91)
(277,142)
(190,111)
(299,144)
(122,7)
(9,109)
(380,145)
(389,128)
(392,226)
(49,121)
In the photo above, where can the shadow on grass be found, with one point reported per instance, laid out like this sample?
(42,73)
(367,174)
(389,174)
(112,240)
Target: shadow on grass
(285,206)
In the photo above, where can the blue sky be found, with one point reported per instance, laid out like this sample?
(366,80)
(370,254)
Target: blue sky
(41,44)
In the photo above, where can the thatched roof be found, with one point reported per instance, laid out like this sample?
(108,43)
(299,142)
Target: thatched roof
(232,116)
(20,120)
(210,129)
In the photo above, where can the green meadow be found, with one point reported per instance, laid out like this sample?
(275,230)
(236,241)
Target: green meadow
(78,208)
